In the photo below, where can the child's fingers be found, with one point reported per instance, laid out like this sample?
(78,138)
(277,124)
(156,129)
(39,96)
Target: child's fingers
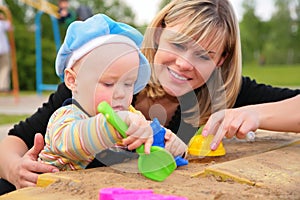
(135,144)
(168,135)
(138,135)
(137,126)
(142,132)
(132,129)
(132,126)
(148,145)
(129,140)
(176,146)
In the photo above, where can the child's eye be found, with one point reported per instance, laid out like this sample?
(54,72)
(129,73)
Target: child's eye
(129,84)
(108,84)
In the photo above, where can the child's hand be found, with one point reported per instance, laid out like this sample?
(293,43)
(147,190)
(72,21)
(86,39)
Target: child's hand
(139,131)
(174,144)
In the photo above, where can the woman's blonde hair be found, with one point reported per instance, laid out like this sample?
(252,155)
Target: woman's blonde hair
(201,20)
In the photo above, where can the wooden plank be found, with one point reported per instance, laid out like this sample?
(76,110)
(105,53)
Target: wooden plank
(276,168)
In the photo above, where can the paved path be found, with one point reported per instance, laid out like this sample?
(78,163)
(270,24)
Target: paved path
(25,105)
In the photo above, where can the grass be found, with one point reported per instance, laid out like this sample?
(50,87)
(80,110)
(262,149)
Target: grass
(276,75)
(11,119)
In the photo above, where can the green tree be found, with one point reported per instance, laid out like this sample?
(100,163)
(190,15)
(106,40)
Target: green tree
(275,41)
(282,44)
(116,9)
(253,34)
(296,31)
(163,3)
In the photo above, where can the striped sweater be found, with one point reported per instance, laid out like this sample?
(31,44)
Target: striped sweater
(73,138)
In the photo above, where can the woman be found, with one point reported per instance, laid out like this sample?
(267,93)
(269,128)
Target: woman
(194,48)
(189,85)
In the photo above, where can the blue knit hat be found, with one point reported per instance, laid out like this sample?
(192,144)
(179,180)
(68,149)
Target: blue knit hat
(84,36)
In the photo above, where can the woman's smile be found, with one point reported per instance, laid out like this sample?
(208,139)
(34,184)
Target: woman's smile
(177,76)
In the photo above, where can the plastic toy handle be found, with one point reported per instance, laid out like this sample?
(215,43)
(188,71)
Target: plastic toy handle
(113,118)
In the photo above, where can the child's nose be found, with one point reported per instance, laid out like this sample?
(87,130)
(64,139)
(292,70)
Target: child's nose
(119,92)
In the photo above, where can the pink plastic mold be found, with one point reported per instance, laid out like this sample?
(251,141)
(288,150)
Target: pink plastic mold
(127,194)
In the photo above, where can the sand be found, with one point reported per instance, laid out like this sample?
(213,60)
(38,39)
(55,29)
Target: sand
(85,184)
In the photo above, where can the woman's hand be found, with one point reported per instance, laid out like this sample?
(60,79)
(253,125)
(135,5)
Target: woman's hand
(24,170)
(139,131)
(231,122)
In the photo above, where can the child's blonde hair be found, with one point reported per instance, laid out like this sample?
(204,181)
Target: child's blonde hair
(201,20)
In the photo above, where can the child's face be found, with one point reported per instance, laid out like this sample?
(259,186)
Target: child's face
(116,84)
(108,73)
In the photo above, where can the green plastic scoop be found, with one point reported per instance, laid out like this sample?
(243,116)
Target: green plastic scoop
(157,165)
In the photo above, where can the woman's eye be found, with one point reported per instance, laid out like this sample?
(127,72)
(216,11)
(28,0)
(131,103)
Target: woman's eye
(178,46)
(203,56)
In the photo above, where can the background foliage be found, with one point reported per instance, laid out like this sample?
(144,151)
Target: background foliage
(276,41)
(24,32)
(264,43)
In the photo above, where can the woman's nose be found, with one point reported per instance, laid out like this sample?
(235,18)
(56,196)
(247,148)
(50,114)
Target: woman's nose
(184,63)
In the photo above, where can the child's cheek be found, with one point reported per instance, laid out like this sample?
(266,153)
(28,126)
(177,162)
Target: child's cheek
(102,95)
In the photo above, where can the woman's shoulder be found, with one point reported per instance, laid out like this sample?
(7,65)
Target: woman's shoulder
(61,94)
(63,88)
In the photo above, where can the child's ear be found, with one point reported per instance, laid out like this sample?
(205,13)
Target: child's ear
(70,79)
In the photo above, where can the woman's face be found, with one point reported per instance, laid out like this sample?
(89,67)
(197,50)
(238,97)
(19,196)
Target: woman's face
(183,67)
